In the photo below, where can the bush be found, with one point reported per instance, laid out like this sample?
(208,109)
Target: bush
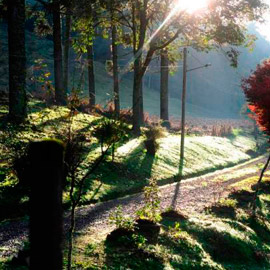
(151,208)
(109,132)
(152,135)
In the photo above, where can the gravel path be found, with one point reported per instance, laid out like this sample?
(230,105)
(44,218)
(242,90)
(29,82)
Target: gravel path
(191,195)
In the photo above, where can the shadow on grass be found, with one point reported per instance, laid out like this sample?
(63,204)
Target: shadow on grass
(264,187)
(222,211)
(243,197)
(223,246)
(128,256)
(260,227)
(125,179)
(187,254)
(53,122)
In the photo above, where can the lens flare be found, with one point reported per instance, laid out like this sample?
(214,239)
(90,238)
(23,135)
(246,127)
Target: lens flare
(191,6)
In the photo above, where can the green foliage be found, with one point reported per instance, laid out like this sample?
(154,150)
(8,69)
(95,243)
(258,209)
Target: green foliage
(152,134)
(89,249)
(228,202)
(41,81)
(151,208)
(41,24)
(139,240)
(14,187)
(118,219)
(175,231)
(84,29)
(109,132)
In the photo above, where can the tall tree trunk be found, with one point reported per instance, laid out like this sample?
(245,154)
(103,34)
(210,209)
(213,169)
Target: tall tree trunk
(91,76)
(141,103)
(60,96)
(136,102)
(164,81)
(115,72)
(139,8)
(17,60)
(67,49)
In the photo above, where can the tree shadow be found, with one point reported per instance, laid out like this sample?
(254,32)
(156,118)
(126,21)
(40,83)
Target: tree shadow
(191,255)
(52,122)
(126,255)
(138,181)
(179,178)
(129,177)
(260,227)
(264,187)
(243,197)
(220,210)
(221,245)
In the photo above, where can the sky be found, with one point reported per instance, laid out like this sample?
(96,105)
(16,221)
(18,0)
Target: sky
(264,28)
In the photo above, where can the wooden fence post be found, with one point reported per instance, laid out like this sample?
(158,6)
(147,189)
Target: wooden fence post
(46,221)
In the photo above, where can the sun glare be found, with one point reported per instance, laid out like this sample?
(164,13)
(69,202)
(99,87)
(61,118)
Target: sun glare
(192,6)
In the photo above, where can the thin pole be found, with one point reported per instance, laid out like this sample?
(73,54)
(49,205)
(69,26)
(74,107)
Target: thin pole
(183,113)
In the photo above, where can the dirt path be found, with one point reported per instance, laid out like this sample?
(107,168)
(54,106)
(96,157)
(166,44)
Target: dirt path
(191,195)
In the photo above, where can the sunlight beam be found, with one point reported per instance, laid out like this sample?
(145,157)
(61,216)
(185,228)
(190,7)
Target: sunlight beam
(191,6)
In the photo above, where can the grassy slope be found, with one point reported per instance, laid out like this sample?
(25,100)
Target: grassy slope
(132,166)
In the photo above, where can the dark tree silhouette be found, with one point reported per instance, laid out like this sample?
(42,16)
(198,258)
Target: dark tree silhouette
(60,97)
(164,85)
(68,22)
(17,60)
(45,173)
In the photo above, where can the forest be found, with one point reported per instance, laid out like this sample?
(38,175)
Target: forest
(134,135)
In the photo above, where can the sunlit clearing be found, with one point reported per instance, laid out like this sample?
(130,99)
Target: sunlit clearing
(191,6)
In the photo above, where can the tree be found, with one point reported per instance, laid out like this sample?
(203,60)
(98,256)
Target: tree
(222,23)
(68,23)
(164,85)
(86,13)
(17,60)
(60,96)
(257,90)
(115,57)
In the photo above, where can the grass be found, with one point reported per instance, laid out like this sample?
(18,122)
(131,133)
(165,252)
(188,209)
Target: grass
(205,241)
(132,166)
(215,239)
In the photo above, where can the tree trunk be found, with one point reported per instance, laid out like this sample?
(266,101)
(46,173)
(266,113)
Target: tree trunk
(255,133)
(139,8)
(115,72)
(164,81)
(137,97)
(141,103)
(91,77)
(60,97)
(258,186)
(67,50)
(17,60)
